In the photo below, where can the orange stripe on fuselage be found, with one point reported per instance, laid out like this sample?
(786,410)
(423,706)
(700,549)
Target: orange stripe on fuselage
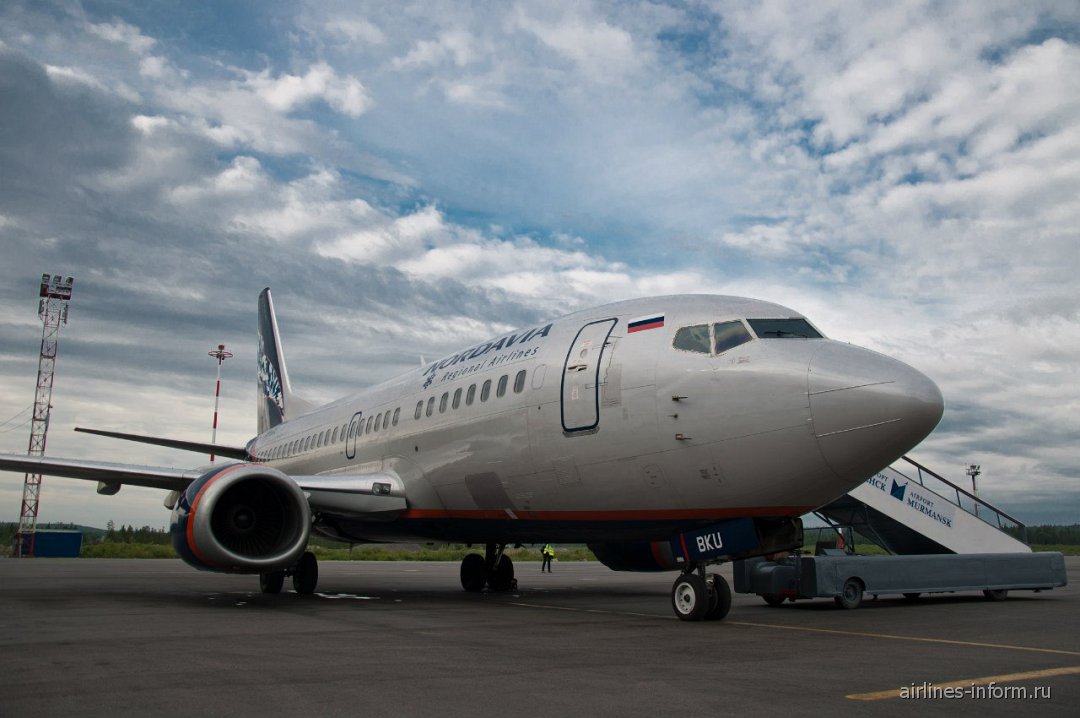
(623,515)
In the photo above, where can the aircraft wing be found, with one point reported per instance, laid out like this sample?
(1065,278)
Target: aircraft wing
(112,475)
(374,496)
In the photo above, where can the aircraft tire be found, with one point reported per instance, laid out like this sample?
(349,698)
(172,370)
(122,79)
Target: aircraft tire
(306,574)
(271,582)
(999,594)
(502,576)
(719,599)
(473,573)
(851,595)
(690,597)
(773,599)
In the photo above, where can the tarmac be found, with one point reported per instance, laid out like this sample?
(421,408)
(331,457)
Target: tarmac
(103,637)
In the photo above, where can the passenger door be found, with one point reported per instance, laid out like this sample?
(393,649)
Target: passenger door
(581,377)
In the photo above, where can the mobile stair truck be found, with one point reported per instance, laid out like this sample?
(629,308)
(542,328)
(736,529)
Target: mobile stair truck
(939,544)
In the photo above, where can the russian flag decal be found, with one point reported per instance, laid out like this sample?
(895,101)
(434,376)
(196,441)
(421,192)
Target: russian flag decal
(649,321)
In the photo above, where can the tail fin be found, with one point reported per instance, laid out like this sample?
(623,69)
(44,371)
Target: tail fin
(275,397)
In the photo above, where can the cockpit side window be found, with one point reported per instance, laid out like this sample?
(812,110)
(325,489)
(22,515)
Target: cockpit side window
(693,339)
(796,328)
(730,335)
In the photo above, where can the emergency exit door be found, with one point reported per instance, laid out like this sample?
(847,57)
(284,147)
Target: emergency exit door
(581,377)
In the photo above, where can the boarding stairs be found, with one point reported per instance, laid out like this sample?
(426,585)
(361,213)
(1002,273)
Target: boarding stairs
(917,511)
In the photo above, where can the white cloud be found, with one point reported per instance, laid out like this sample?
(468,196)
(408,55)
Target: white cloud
(286,92)
(73,74)
(356,30)
(456,46)
(599,50)
(123,33)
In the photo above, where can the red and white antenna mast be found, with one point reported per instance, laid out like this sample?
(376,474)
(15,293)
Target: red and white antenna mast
(53,311)
(221,355)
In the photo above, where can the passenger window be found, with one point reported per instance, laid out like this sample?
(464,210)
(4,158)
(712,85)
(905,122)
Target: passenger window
(485,390)
(442,402)
(470,395)
(378,420)
(693,339)
(334,440)
(501,390)
(386,420)
(419,408)
(430,406)
(519,382)
(730,335)
(397,414)
(367,429)
(318,441)
(457,398)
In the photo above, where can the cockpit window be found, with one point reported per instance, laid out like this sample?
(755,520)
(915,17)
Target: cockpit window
(693,339)
(730,335)
(783,329)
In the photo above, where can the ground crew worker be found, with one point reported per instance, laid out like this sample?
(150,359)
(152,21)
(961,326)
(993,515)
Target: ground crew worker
(548,553)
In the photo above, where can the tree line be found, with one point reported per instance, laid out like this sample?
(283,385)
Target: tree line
(130,534)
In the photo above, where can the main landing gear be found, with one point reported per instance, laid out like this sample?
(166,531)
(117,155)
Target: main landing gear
(700,596)
(305,576)
(494,569)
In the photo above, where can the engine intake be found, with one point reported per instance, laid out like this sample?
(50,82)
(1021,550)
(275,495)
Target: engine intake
(241,518)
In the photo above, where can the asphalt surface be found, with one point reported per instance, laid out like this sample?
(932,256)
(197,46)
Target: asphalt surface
(85,637)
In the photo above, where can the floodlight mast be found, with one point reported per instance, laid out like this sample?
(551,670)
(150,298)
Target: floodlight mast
(53,301)
(973,470)
(221,355)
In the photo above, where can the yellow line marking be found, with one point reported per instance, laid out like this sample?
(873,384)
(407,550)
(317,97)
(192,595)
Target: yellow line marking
(984,681)
(857,634)
(919,639)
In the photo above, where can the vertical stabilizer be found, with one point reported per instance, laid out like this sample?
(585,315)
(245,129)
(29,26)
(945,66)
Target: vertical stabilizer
(275,397)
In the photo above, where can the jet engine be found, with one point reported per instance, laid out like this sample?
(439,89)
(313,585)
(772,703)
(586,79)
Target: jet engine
(241,518)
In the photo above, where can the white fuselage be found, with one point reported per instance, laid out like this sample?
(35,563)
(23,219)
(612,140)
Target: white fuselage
(583,428)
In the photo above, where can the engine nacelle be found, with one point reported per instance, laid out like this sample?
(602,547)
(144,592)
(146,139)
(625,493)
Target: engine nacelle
(654,556)
(241,518)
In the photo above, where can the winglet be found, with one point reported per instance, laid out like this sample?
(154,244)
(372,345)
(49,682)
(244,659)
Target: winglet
(275,398)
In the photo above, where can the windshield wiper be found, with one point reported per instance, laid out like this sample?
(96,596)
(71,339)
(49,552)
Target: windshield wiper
(781,333)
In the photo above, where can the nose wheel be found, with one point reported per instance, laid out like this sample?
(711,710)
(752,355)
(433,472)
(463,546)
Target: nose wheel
(697,596)
(494,570)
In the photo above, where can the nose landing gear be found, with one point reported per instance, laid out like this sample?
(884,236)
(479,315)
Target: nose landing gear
(494,570)
(700,596)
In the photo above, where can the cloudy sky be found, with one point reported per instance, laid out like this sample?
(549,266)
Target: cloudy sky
(411,177)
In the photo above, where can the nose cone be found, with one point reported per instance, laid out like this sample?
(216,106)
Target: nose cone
(868,410)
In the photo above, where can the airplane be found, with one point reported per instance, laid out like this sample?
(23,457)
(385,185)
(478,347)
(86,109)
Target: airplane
(667,433)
